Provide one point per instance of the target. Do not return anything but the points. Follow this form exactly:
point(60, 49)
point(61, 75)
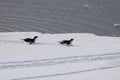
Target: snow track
point(58, 61)
point(64, 74)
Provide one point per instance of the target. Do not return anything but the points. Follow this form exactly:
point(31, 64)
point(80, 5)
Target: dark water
point(60, 16)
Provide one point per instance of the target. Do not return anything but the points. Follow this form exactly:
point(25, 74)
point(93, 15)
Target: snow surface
point(90, 57)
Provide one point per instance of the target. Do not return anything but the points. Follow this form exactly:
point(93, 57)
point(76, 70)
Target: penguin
point(30, 40)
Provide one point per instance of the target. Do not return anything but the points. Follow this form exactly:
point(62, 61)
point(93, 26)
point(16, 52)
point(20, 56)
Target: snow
point(86, 6)
point(116, 25)
point(90, 57)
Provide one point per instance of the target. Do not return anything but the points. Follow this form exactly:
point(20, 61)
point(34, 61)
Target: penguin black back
point(67, 42)
point(30, 40)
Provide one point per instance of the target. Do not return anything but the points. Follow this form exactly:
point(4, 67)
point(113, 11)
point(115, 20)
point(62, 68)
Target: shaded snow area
point(89, 57)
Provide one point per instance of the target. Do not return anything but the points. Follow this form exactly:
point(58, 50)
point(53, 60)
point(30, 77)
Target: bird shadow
point(55, 44)
point(38, 43)
point(10, 41)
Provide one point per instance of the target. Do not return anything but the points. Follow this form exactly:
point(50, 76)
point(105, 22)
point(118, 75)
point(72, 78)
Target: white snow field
point(90, 57)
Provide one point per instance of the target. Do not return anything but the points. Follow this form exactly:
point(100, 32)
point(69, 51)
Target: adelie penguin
point(67, 42)
point(30, 40)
